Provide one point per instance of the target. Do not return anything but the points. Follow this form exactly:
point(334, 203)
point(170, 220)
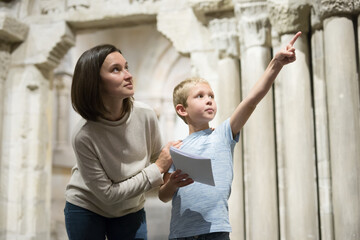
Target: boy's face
point(201, 105)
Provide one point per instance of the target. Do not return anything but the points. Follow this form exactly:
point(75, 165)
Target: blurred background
point(297, 165)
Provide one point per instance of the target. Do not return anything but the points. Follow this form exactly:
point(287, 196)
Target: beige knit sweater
point(114, 169)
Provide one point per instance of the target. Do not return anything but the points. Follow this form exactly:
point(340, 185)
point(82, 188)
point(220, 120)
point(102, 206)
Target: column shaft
point(344, 124)
point(259, 152)
point(225, 39)
point(229, 98)
point(26, 156)
point(296, 133)
point(322, 136)
point(261, 209)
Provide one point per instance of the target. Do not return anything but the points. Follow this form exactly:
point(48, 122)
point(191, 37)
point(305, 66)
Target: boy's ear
point(181, 110)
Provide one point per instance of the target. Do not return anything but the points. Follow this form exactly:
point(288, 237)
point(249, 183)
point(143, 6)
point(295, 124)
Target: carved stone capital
point(254, 24)
point(224, 37)
point(11, 29)
point(289, 18)
point(336, 7)
point(46, 51)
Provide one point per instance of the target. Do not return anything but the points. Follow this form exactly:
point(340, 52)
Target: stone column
point(12, 31)
point(298, 215)
point(321, 126)
point(27, 146)
point(342, 84)
point(259, 132)
point(63, 154)
point(225, 40)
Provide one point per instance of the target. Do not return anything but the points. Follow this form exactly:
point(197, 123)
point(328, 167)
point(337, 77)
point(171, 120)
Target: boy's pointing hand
point(287, 55)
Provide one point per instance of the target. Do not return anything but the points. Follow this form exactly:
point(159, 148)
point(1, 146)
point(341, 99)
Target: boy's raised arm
point(262, 86)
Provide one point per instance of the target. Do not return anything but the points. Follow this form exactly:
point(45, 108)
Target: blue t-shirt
point(199, 208)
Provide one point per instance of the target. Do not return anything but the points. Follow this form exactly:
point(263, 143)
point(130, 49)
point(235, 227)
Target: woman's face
point(116, 78)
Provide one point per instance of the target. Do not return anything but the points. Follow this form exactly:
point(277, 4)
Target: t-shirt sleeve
point(224, 130)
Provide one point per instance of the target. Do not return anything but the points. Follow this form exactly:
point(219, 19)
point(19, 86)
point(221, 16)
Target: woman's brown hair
point(85, 88)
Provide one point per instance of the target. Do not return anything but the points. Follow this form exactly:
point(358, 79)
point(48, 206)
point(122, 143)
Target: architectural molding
point(45, 52)
point(224, 37)
point(184, 30)
point(11, 29)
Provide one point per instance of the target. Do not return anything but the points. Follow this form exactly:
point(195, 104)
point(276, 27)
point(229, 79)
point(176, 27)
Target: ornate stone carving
point(11, 29)
point(254, 24)
point(335, 7)
point(286, 18)
point(224, 36)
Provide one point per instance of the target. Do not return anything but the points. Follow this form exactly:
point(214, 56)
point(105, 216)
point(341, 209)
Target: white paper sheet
point(197, 167)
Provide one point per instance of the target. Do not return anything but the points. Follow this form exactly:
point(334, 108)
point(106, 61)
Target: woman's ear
point(181, 110)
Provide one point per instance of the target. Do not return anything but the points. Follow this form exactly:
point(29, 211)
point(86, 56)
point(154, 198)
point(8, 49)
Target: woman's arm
point(172, 181)
point(98, 182)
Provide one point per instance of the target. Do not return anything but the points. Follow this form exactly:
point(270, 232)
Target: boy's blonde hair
point(182, 90)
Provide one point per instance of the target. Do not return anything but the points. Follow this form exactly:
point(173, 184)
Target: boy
point(200, 211)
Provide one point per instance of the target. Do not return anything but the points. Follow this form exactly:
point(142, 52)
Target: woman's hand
point(164, 161)
point(287, 55)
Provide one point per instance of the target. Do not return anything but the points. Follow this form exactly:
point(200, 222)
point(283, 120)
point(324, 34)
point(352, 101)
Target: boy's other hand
point(178, 179)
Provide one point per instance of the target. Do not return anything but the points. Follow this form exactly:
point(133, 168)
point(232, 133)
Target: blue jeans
point(82, 224)
point(208, 236)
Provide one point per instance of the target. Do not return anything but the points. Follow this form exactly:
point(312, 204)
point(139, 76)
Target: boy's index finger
point(293, 40)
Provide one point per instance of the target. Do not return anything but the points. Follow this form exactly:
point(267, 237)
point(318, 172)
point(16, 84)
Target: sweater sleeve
point(102, 186)
point(156, 139)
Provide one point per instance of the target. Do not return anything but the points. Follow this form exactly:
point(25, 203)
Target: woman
point(118, 148)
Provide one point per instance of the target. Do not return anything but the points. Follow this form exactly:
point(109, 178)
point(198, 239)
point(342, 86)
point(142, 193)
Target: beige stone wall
point(297, 165)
